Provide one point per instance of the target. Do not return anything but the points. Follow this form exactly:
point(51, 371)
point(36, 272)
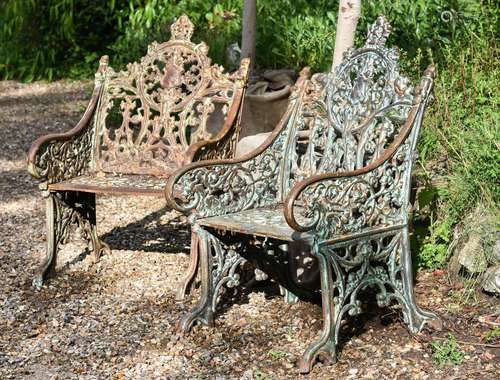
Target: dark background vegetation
point(459, 149)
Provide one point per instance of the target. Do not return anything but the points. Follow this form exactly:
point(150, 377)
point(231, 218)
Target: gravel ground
point(117, 319)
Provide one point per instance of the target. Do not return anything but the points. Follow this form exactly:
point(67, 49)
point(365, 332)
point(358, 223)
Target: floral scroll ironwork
point(151, 113)
point(338, 169)
point(382, 262)
point(61, 160)
point(229, 186)
point(67, 211)
point(172, 107)
point(219, 264)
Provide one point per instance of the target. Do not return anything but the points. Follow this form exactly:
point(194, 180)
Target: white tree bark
point(249, 31)
point(349, 13)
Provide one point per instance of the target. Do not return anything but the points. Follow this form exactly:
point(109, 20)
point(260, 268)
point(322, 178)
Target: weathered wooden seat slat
point(334, 175)
point(141, 125)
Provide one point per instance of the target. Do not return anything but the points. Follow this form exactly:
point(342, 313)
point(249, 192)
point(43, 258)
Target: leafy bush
point(447, 352)
point(46, 39)
point(57, 38)
point(459, 149)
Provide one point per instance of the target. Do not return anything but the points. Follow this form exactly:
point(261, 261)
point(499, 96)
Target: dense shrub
point(58, 38)
point(460, 149)
point(46, 39)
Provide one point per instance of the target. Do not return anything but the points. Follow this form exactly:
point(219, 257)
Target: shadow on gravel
point(151, 234)
point(17, 185)
point(72, 326)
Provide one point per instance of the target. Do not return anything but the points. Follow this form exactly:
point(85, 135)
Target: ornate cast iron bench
point(171, 108)
point(344, 191)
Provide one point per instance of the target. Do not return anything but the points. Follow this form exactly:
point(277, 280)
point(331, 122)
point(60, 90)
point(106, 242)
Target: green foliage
point(447, 352)
point(460, 144)
point(55, 38)
point(46, 39)
point(493, 335)
point(278, 355)
point(217, 22)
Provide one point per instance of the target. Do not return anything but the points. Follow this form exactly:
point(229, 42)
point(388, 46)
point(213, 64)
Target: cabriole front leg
point(218, 265)
point(415, 317)
point(48, 265)
point(325, 345)
point(381, 262)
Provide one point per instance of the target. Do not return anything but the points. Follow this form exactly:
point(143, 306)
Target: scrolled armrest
point(59, 156)
point(375, 195)
point(225, 186)
point(334, 204)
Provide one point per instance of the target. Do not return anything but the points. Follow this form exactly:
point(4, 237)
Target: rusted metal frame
point(414, 118)
point(85, 122)
point(164, 115)
point(232, 125)
point(106, 190)
point(93, 120)
point(280, 129)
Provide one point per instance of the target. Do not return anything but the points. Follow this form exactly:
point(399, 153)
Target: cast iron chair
point(171, 108)
point(344, 191)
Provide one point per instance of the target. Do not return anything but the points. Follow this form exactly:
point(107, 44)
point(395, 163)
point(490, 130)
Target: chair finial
point(182, 29)
point(378, 32)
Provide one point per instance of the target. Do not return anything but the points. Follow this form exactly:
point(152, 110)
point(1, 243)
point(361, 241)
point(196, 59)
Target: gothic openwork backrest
point(348, 118)
point(151, 113)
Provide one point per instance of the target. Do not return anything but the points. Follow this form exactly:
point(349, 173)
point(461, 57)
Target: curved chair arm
point(376, 195)
point(223, 145)
point(219, 187)
point(59, 156)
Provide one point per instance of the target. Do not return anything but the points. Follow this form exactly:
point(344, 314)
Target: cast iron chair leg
point(218, 269)
point(325, 345)
point(188, 281)
point(49, 263)
point(98, 247)
point(63, 210)
point(415, 317)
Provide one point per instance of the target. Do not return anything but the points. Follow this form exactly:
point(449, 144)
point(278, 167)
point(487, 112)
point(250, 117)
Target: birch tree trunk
point(349, 13)
point(249, 31)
